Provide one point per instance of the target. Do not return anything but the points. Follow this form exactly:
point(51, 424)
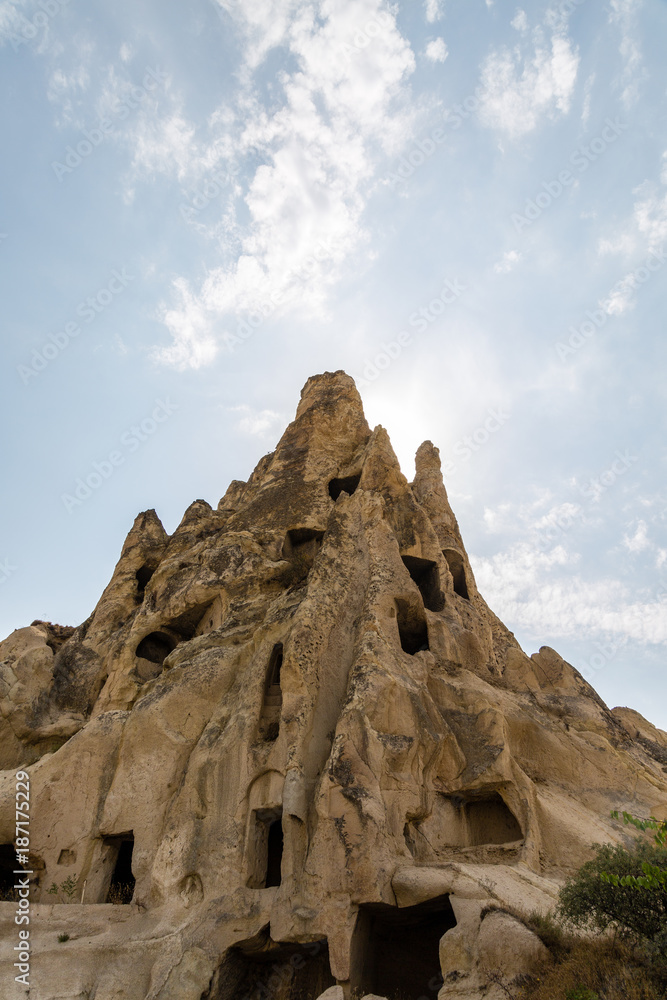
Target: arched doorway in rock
point(458, 570)
point(396, 950)
point(122, 881)
point(263, 969)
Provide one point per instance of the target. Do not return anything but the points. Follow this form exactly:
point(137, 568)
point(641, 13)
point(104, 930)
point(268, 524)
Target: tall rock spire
point(294, 735)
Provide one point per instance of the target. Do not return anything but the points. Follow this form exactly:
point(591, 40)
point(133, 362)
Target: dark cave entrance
point(302, 543)
point(156, 647)
point(396, 951)
point(266, 848)
point(274, 853)
point(269, 725)
point(143, 575)
point(121, 886)
point(412, 628)
point(8, 879)
point(458, 571)
point(262, 969)
point(347, 484)
point(425, 574)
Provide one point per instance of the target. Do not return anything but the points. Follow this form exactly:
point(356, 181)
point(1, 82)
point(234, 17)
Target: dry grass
point(596, 970)
point(120, 893)
point(586, 968)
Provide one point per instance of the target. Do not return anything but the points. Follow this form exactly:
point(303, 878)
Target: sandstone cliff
point(296, 737)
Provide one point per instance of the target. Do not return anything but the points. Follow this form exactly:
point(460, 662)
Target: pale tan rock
point(507, 946)
point(318, 744)
point(334, 993)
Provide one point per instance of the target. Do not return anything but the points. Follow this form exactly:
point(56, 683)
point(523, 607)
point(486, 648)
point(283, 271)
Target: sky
point(461, 203)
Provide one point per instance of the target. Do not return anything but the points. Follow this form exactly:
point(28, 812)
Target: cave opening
point(491, 821)
point(274, 853)
point(303, 543)
point(143, 575)
point(424, 572)
point(396, 951)
point(121, 886)
point(458, 571)
point(266, 848)
point(346, 484)
point(273, 697)
point(412, 627)
point(8, 864)
point(156, 647)
point(261, 968)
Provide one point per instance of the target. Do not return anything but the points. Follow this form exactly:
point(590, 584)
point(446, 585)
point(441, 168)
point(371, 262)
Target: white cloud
point(520, 21)
point(644, 232)
point(67, 89)
point(621, 297)
point(257, 422)
point(586, 106)
point(508, 262)
point(621, 243)
point(639, 541)
point(520, 89)
point(61, 83)
point(436, 50)
point(163, 140)
point(17, 26)
point(433, 10)
point(650, 214)
point(633, 74)
point(533, 583)
point(193, 344)
point(265, 23)
point(318, 151)
point(520, 586)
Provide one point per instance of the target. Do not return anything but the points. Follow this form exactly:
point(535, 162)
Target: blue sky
point(462, 204)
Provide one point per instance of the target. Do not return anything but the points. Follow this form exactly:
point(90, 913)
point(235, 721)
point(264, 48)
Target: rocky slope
point(296, 737)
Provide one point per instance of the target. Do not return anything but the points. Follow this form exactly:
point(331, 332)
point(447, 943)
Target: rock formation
point(299, 751)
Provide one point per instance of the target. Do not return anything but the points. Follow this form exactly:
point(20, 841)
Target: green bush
point(589, 900)
point(66, 888)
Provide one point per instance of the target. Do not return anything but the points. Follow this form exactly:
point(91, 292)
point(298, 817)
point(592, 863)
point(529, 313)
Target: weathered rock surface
point(296, 737)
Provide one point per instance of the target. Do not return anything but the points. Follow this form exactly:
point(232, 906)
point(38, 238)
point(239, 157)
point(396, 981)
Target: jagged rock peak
point(296, 737)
